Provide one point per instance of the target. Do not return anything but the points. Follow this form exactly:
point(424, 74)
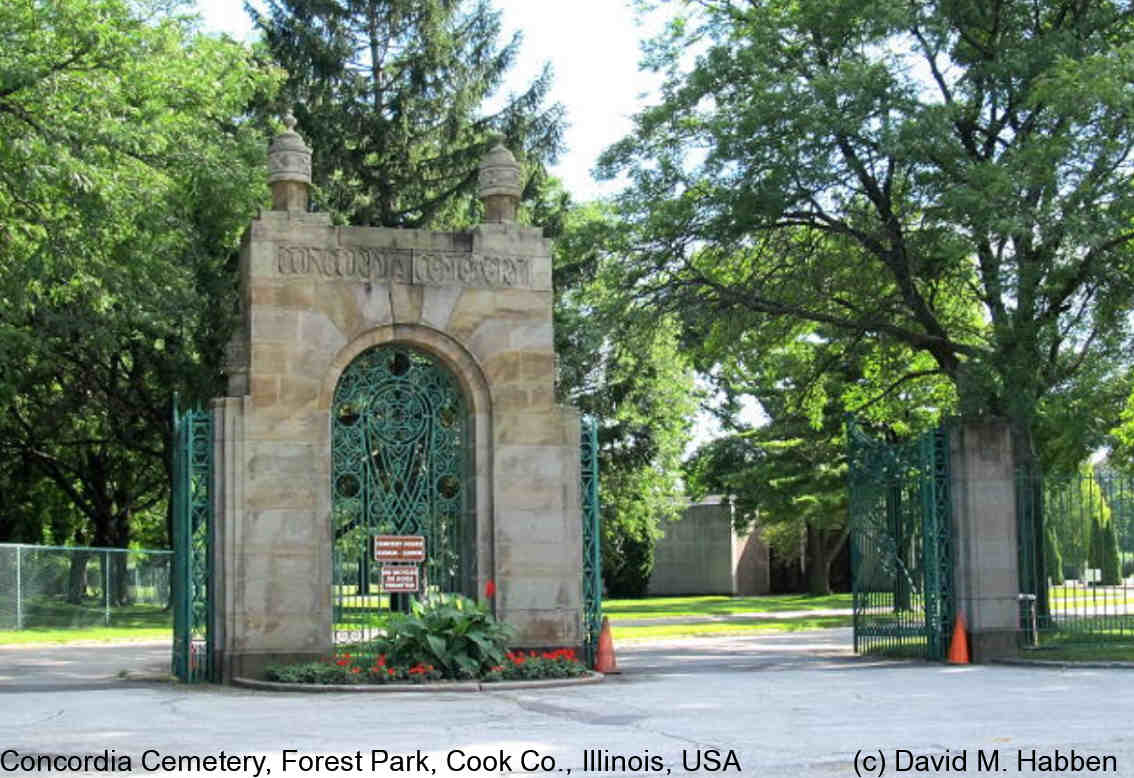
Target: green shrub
point(1052, 556)
point(1111, 567)
point(451, 632)
point(627, 560)
point(307, 672)
point(1095, 549)
point(445, 636)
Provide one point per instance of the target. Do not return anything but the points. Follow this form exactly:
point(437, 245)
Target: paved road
point(76, 666)
point(783, 705)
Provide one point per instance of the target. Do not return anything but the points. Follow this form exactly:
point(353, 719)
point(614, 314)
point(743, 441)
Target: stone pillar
point(986, 569)
point(314, 297)
point(228, 510)
point(289, 169)
point(499, 186)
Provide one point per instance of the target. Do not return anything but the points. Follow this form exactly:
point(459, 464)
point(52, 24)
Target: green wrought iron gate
point(592, 560)
point(193, 588)
point(901, 544)
point(400, 465)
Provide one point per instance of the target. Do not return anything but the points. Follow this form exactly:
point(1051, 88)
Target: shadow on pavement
point(78, 666)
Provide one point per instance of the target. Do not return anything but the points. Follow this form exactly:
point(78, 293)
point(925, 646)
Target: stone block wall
point(702, 554)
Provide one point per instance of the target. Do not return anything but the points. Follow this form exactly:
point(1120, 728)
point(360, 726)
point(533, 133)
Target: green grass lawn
point(721, 607)
point(53, 620)
point(714, 628)
point(83, 634)
point(676, 607)
point(1099, 645)
point(1109, 594)
point(55, 612)
point(58, 622)
point(1071, 652)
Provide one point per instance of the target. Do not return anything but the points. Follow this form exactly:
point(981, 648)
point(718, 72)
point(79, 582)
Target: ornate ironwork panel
point(400, 466)
point(592, 559)
point(193, 588)
point(901, 544)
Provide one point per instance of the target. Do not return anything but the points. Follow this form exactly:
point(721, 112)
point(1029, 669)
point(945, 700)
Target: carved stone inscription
point(433, 268)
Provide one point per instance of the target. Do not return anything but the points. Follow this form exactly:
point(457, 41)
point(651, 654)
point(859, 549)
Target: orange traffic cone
point(959, 646)
point(604, 661)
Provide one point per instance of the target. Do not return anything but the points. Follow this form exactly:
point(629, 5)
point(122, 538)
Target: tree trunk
point(1029, 486)
point(818, 563)
point(77, 578)
point(902, 544)
point(119, 579)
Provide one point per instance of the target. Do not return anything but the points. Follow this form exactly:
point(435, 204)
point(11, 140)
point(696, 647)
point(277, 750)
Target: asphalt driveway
point(772, 705)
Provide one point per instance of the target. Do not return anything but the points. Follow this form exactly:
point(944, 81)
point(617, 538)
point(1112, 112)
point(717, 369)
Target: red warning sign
point(399, 548)
point(401, 579)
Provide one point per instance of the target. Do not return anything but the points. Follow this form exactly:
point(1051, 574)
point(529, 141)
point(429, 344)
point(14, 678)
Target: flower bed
point(445, 637)
point(346, 669)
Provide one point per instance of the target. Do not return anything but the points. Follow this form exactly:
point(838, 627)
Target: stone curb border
point(443, 686)
point(1064, 664)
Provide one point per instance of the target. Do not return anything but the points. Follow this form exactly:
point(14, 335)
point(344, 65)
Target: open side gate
point(901, 544)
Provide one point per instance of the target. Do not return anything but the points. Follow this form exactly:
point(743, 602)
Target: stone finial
point(289, 169)
point(499, 186)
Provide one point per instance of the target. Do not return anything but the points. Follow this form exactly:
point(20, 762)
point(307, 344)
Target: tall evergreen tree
point(1052, 556)
point(392, 94)
point(1111, 561)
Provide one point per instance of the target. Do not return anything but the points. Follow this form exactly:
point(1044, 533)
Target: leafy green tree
point(789, 476)
point(1111, 563)
point(625, 369)
point(126, 175)
point(1122, 439)
point(887, 169)
point(1095, 552)
point(1053, 558)
point(392, 96)
point(1118, 490)
point(1077, 510)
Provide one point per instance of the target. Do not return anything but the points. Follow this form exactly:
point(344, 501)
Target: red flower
point(390, 671)
point(356, 670)
point(566, 654)
point(381, 661)
point(343, 662)
point(489, 589)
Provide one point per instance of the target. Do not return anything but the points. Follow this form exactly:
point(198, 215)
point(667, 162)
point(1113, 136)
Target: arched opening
point(400, 465)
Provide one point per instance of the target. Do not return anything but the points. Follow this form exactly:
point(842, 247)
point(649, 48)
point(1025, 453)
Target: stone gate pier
point(390, 381)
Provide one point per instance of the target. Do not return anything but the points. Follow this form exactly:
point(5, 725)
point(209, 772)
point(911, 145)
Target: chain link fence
point(57, 587)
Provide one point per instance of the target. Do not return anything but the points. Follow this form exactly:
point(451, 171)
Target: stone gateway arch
point(389, 382)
